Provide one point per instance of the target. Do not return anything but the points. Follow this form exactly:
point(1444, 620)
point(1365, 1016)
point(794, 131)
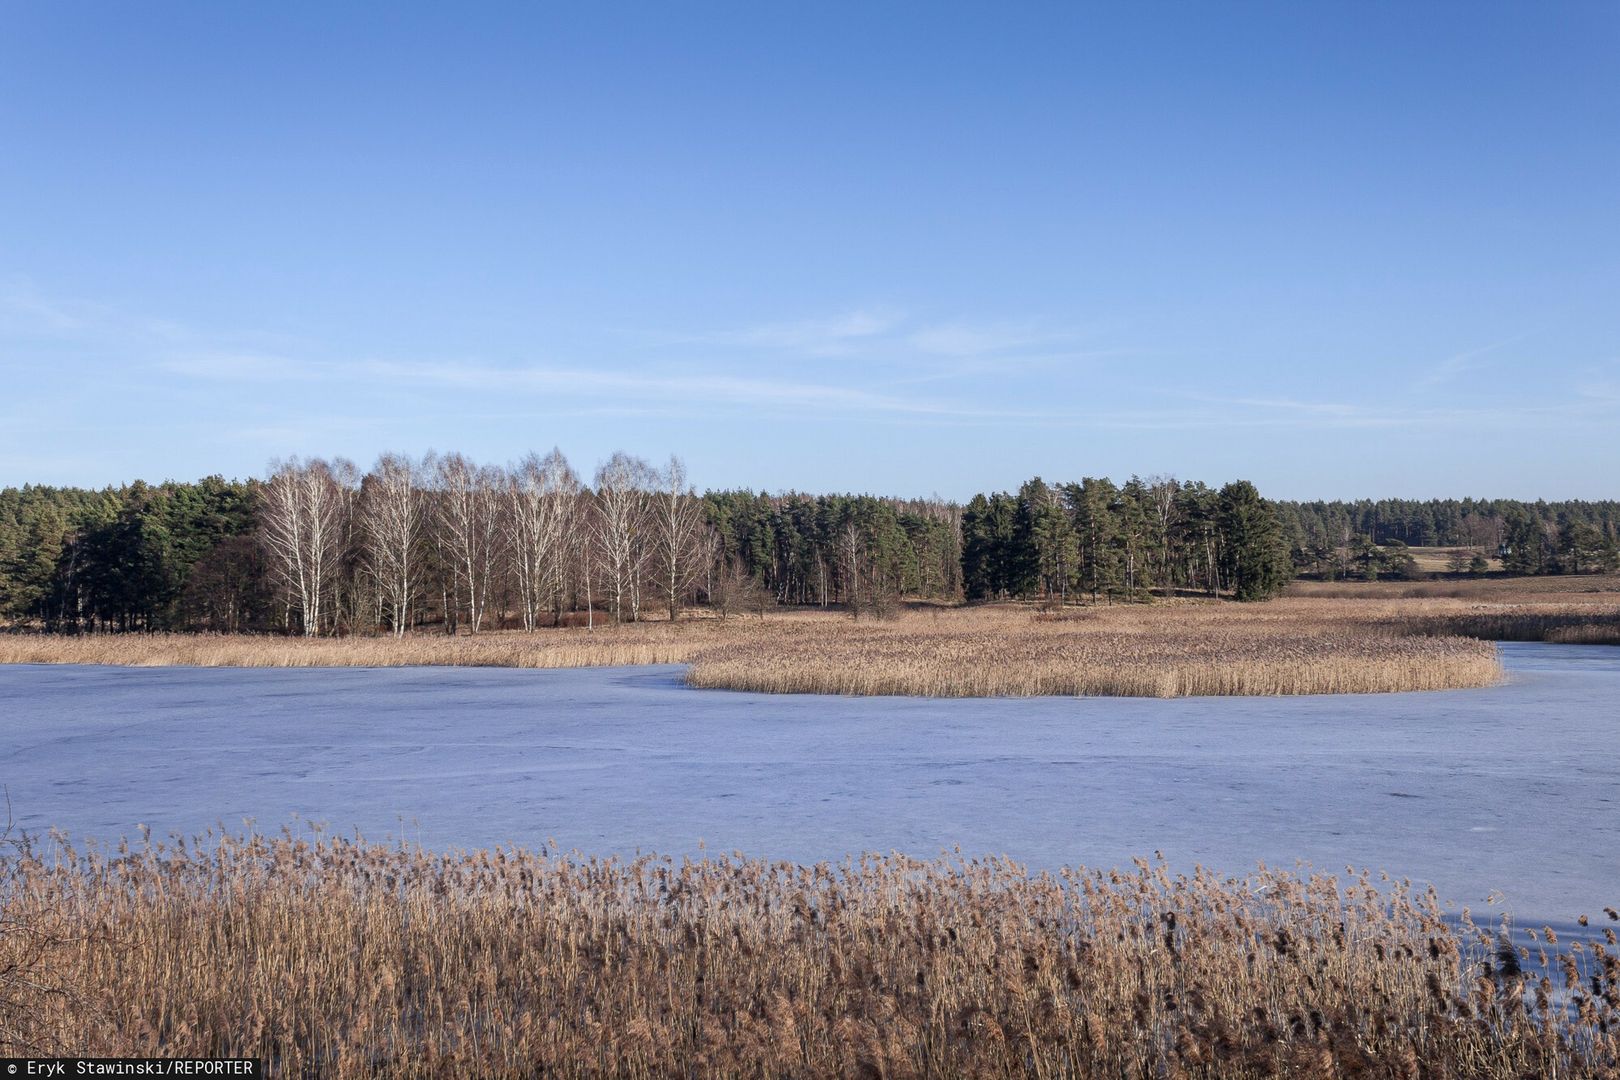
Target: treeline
point(839, 549)
point(1111, 542)
point(133, 557)
point(322, 547)
point(1368, 538)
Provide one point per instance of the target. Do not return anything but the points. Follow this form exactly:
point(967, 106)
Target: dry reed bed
point(1369, 641)
point(1572, 609)
point(1160, 651)
point(641, 643)
point(347, 959)
point(1553, 623)
point(1565, 588)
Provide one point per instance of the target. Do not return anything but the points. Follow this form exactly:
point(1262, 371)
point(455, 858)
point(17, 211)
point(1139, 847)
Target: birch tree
point(852, 544)
point(392, 525)
point(619, 529)
point(541, 494)
point(469, 505)
point(1162, 492)
point(581, 546)
point(677, 520)
point(301, 520)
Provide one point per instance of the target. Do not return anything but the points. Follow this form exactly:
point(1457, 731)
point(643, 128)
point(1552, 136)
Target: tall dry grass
point(1552, 623)
point(1159, 651)
point(1360, 639)
point(638, 643)
point(1602, 589)
point(346, 959)
point(1572, 609)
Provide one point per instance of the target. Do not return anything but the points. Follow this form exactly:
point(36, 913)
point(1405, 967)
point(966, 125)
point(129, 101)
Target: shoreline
point(1282, 648)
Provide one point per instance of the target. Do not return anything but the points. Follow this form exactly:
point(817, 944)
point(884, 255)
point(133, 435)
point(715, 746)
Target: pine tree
point(1132, 515)
point(1038, 543)
point(1525, 544)
point(1255, 556)
point(1091, 508)
point(978, 550)
point(1055, 547)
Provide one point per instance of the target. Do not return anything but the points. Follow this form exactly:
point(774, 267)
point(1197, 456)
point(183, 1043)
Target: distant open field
point(345, 959)
point(1438, 560)
point(1320, 638)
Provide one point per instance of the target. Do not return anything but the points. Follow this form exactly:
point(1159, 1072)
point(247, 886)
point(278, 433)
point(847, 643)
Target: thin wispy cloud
point(1287, 412)
point(830, 336)
point(887, 333)
point(691, 387)
point(246, 367)
point(32, 321)
point(24, 310)
point(613, 388)
point(1600, 384)
point(1008, 370)
point(1459, 364)
point(624, 392)
point(1289, 405)
point(960, 386)
point(170, 350)
point(988, 339)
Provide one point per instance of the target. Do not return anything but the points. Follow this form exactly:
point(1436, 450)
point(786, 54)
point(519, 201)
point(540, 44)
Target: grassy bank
point(346, 959)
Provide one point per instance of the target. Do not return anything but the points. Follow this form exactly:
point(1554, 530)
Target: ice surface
point(1514, 788)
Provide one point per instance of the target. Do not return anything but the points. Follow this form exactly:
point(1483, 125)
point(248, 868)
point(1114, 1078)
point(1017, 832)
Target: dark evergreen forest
point(1106, 543)
point(194, 556)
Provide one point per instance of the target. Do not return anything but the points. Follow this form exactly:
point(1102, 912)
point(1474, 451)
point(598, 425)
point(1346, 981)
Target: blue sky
point(1340, 250)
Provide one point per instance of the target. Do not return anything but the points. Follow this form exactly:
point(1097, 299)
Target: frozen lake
point(1513, 789)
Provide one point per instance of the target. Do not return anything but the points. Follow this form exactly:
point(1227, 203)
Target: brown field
point(1320, 638)
point(343, 959)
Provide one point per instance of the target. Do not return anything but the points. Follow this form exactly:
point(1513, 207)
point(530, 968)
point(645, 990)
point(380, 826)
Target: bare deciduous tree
point(852, 544)
point(1162, 492)
point(391, 524)
point(677, 521)
point(619, 529)
point(469, 505)
point(581, 545)
point(541, 497)
point(301, 524)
